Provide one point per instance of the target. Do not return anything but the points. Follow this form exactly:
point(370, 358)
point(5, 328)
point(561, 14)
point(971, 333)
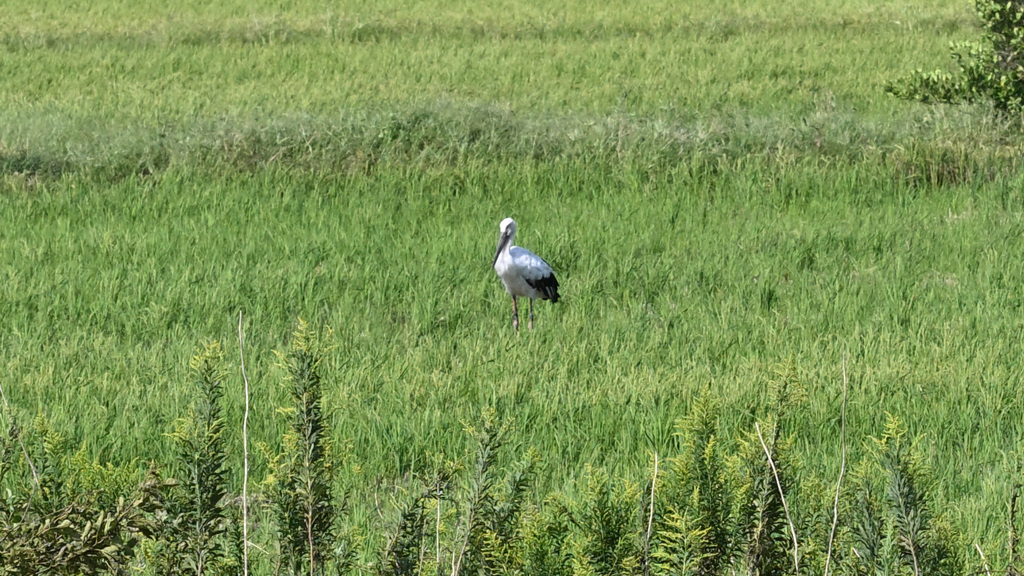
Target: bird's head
point(507, 226)
point(507, 231)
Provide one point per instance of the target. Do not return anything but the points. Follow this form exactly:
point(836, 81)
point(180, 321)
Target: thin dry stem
point(842, 470)
point(245, 456)
point(309, 537)
point(457, 559)
point(455, 571)
point(650, 520)
point(778, 484)
point(984, 562)
point(1011, 540)
point(913, 556)
point(437, 529)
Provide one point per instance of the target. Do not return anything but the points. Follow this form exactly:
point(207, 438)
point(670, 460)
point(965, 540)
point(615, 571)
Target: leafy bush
point(990, 70)
point(72, 515)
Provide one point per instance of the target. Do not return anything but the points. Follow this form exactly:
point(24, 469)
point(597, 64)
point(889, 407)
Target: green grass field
point(724, 190)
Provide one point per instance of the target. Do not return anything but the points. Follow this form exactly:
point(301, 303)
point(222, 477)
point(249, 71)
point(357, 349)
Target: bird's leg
point(531, 314)
point(515, 315)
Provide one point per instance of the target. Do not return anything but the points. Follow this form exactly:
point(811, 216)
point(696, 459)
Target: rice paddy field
point(724, 189)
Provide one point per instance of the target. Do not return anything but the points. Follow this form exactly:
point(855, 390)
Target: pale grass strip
point(437, 529)
point(778, 484)
point(245, 457)
point(650, 520)
point(842, 470)
point(32, 467)
point(309, 537)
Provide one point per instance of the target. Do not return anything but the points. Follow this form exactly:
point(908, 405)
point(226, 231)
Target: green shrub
point(990, 70)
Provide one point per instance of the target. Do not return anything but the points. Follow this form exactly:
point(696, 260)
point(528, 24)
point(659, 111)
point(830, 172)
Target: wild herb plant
point(895, 528)
point(502, 543)
point(306, 504)
point(696, 532)
point(767, 545)
point(491, 504)
point(766, 481)
point(545, 540)
point(492, 514)
point(873, 553)
point(606, 526)
point(478, 496)
point(402, 555)
point(196, 531)
point(679, 547)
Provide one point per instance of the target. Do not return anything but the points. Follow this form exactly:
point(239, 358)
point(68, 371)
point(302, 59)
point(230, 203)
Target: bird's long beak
point(502, 242)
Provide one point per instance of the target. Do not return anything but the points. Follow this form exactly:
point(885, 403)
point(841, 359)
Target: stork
point(523, 273)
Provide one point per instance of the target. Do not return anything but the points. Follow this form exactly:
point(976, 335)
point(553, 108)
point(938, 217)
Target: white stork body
point(523, 273)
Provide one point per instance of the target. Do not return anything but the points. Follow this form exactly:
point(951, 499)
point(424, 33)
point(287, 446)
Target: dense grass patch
point(725, 193)
point(673, 282)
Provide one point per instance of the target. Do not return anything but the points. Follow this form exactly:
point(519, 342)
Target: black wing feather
point(547, 285)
